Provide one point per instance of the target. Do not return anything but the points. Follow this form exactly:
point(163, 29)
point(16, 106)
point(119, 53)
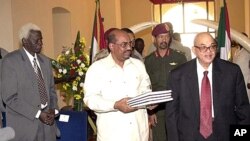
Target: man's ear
point(110, 46)
point(193, 50)
point(24, 41)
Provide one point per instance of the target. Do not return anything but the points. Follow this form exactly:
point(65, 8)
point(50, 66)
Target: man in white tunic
point(109, 83)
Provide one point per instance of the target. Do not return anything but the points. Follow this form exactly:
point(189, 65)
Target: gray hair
point(24, 31)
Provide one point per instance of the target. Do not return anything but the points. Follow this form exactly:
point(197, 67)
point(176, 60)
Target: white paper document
point(149, 98)
point(64, 118)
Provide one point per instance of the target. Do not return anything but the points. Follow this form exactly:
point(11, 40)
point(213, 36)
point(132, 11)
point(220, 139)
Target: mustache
point(164, 43)
point(129, 51)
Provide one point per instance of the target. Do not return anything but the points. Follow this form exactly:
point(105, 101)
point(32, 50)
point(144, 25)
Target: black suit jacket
point(231, 105)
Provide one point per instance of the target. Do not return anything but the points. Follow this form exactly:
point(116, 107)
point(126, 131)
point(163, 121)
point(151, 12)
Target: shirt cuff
point(38, 114)
point(56, 112)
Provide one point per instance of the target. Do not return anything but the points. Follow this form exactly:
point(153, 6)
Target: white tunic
point(106, 83)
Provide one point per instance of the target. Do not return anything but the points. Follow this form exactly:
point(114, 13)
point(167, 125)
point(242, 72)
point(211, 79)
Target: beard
point(164, 45)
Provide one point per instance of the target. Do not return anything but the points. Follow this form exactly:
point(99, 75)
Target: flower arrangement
point(70, 68)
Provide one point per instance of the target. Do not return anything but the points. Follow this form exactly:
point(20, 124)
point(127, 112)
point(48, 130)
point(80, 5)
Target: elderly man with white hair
point(28, 89)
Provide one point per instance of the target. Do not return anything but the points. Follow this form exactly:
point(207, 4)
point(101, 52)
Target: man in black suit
point(227, 93)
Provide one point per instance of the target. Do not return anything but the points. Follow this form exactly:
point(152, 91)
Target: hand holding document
point(149, 98)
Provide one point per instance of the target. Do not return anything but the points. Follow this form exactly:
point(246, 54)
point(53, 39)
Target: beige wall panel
point(6, 26)
point(236, 11)
point(247, 17)
point(134, 12)
point(40, 13)
point(111, 12)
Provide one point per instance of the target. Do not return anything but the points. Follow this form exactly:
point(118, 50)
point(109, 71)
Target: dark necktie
point(41, 85)
point(205, 107)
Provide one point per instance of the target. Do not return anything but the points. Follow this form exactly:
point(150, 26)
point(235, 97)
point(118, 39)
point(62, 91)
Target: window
point(182, 13)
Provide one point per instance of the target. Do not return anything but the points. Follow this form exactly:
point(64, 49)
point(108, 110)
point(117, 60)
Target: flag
point(95, 40)
point(224, 37)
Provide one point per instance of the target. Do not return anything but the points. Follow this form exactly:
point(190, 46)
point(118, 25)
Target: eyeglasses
point(203, 49)
point(125, 44)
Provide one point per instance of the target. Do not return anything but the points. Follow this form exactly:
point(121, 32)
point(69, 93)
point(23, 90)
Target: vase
point(78, 105)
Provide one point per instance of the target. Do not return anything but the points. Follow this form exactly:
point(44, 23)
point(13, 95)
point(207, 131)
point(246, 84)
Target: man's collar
point(111, 62)
point(157, 54)
point(29, 55)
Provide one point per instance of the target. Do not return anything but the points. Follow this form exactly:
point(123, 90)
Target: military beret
point(162, 28)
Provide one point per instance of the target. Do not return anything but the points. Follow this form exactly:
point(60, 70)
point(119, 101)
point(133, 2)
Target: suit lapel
point(217, 77)
point(28, 65)
point(194, 86)
point(30, 74)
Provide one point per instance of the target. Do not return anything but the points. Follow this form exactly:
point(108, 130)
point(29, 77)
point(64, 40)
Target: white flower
point(60, 70)
point(80, 73)
point(67, 52)
point(74, 88)
point(82, 84)
point(64, 71)
point(78, 61)
point(82, 65)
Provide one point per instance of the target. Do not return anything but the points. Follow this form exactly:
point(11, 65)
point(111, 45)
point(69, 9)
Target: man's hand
point(152, 119)
point(47, 117)
point(43, 117)
point(123, 106)
point(51, 116)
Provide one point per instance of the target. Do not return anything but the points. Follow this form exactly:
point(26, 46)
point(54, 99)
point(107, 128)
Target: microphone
point(6, 133)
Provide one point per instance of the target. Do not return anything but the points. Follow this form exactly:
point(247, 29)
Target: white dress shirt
point(106, 83)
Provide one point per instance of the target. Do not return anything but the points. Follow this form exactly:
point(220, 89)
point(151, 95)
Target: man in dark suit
point(228, 103)
point(28, 89)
